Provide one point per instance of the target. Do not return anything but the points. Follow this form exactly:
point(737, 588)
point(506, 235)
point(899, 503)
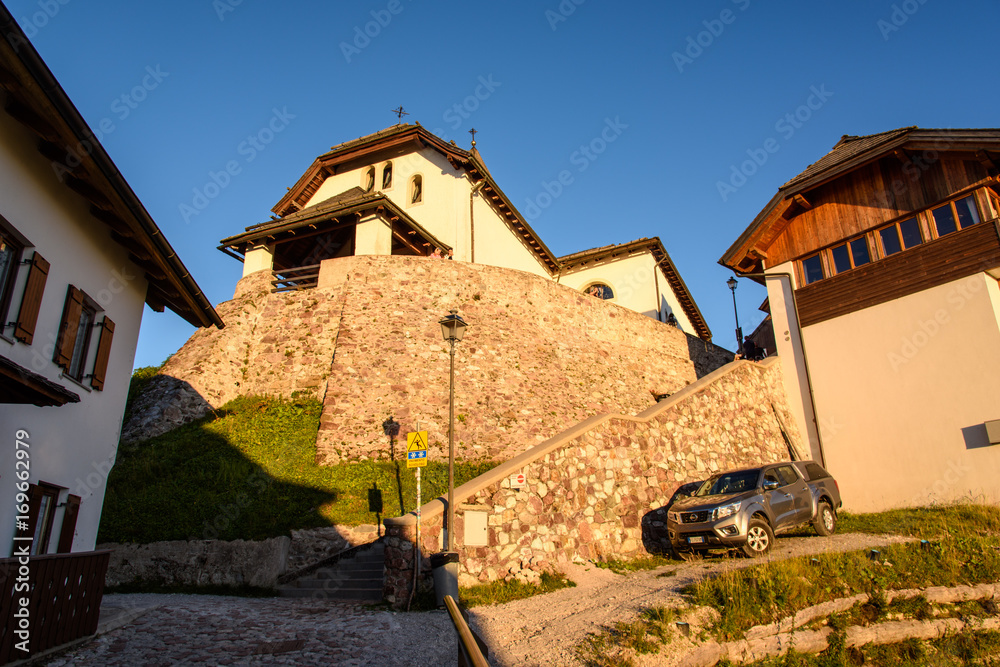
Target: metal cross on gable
point(473, 133)
point(400, 113)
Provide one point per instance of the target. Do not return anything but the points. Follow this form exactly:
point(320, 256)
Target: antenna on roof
point(473, 133)
point(400, 113)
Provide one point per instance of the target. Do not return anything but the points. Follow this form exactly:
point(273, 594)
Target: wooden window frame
point(387, 168)
point(43, 522)
point(850, 254)
point(952, 204)
point(70, 356)
point(824, 269)
point(412, 196)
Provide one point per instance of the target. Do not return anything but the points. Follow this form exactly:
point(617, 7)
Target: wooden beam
point(88, 192)
point(27, 117)
point(802, 201)
point(132, 246)
point(111, 219)
point(989, 163)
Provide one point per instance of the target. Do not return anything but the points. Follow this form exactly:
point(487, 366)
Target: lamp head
point(732, 283)
point(453, 326)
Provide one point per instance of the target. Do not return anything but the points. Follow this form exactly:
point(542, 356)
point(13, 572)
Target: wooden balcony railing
point(301, 277)
point(64, 601)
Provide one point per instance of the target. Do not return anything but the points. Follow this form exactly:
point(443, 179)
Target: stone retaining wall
point(538, 356)
point(593, 491)
point(199, 563)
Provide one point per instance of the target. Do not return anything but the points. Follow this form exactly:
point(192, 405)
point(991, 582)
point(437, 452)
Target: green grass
point(774, 590)
point(650, 562)
point(251, 473)
point(971, 648)
point(925, 522)
point(499, 592)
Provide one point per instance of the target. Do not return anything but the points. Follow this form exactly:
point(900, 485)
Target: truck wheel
point(826, 520)
point(760, 537)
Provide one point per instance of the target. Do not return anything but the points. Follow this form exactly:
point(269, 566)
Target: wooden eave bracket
point(989, 163)
point(802, 202)
point(27, 117)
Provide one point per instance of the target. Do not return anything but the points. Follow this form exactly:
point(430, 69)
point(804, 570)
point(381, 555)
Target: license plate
point(696, 540)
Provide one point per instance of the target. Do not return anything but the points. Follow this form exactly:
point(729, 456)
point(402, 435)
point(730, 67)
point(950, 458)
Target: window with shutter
point(10, 257)
point(69, 328)
point(27, 316)
point(103, 354)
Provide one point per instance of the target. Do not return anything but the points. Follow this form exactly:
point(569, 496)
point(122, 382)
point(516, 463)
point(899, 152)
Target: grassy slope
point(250, 473)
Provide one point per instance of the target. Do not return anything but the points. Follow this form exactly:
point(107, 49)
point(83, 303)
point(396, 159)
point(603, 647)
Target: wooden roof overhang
point(748, 253)
point(34, 98)
point(398, 140)
point(320, 219)
point(583, 259)
point(22, 386)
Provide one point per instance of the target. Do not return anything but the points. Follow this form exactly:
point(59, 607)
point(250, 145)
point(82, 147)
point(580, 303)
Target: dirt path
point(545, 630)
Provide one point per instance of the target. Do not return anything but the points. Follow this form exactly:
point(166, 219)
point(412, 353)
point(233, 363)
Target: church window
point(417, 189)
point(601, 291)
point(369, 180)
point(387, 176)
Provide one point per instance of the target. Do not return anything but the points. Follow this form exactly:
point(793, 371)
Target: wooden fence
point(64, 594)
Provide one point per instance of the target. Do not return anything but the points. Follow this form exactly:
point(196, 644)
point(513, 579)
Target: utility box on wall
point(476, 534)
point(993, 431)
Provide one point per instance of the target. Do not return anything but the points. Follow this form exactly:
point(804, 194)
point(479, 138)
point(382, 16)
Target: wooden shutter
point(103, 354)
point(69, 525)
point(68, 327)
point(27, 529)
point(27, 315)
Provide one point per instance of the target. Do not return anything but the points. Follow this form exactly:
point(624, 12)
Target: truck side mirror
point(770, 484)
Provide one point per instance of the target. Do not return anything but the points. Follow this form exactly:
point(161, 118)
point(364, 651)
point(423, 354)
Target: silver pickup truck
point(744, 509)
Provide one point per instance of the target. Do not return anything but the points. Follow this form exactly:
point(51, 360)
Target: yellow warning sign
point(416, 449)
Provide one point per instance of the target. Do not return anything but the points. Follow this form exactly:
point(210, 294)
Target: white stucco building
point(404, 191)
point(79, 256)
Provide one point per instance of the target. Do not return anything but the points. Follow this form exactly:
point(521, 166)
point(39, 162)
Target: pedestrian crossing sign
point(416, 449)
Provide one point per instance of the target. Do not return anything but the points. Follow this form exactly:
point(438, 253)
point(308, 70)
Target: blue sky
point(694, 92)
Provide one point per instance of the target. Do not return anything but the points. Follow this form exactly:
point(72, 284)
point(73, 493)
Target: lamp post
point(453, 329)
point(739, 332)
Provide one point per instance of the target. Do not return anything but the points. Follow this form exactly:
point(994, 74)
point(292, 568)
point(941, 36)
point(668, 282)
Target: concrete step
point(358, 578)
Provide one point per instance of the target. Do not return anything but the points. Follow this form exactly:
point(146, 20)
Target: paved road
point(162, 630)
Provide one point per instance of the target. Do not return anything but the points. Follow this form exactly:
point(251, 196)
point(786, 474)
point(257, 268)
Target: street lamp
point(739, 332)
point(453, 329)
point(391, 428)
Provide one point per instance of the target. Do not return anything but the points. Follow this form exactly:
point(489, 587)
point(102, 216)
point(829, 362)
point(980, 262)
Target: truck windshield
point(730, 482)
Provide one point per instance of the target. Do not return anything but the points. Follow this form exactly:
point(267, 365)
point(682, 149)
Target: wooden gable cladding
point(881, 191)
point(934, 263)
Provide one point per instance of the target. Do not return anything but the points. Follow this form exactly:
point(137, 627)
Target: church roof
point(580, 260)
point(403, 138)
point(347, 202)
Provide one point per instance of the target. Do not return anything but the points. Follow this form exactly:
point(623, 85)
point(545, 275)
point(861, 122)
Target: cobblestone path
point(214, 630)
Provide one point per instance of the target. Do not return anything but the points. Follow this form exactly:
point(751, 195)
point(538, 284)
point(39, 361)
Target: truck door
point(782, 503)
point(798, 489)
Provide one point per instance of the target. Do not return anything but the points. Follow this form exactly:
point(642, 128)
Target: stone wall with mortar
point(593, 491)
point(199, 563)
point(537, 356)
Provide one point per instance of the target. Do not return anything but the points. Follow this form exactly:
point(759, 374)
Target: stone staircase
point(354, 575)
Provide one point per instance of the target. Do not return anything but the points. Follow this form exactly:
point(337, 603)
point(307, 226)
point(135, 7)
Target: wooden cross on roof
point(400, 113)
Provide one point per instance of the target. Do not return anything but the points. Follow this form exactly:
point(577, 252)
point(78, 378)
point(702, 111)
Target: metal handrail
point(467, 646)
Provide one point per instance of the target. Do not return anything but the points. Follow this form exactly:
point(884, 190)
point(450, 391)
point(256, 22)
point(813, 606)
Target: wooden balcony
point(64, 600)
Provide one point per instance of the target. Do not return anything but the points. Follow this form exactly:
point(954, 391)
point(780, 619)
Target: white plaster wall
point(903, 389)
point(74, 445)
point(444, 210)
point(633, 280)
point(373, 236)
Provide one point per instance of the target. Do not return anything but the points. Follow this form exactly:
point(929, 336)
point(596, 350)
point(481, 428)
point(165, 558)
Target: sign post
point(416, 457)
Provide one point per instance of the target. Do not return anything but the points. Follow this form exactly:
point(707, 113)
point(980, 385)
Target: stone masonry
point(537, 356)
point(593, 491)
